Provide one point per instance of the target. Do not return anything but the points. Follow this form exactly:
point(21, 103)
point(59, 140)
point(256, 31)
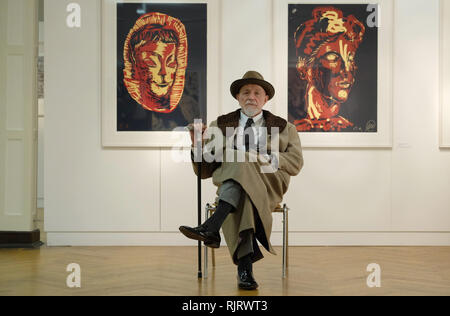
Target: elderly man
point(247, 194)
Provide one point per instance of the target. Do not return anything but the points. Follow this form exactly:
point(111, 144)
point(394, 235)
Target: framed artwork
point(158, 71)
point(334, 70)
point(445, 75)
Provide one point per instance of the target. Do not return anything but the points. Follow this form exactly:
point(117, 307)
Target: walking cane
point(199, 199)
point(199, 206)
point(198, 155)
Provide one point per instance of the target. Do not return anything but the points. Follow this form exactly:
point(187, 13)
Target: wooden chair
point(210, 209)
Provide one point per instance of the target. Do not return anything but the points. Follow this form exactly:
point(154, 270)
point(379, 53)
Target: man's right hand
point(196, 128)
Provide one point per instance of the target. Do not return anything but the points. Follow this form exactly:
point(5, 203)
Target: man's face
point(334, 71)
point(157, 66)
point(252, 98)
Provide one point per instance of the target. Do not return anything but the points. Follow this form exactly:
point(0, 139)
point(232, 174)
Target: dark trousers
point(230, 191)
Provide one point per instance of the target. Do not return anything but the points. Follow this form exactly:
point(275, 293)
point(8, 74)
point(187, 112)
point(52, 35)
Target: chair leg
point(209, 210)
point(205, 268)
point(213, 255)
point(285, 240)
point(287, 236)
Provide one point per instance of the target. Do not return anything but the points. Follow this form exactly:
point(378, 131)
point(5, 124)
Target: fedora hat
point(252, 77)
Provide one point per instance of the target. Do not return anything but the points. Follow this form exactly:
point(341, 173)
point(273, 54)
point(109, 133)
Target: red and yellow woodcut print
point(324, 71)
point(155, 55)
point(161, 65)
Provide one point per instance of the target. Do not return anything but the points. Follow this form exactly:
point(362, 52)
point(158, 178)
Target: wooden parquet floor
point(171, 271)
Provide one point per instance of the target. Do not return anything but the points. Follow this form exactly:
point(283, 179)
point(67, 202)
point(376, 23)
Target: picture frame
point(112, 136)
point(444, 113)
point(382, 138)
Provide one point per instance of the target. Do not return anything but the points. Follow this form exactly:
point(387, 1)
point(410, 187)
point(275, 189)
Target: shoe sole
point(192, 235)
point(212, 245)
point(248, 288)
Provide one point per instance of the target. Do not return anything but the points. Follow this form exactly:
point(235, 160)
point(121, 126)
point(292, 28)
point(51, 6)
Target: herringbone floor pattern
point(173, 271)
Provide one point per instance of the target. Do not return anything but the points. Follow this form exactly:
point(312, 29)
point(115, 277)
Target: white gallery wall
point(98, 196)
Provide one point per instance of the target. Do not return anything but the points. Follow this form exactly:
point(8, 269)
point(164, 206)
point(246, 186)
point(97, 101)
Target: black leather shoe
point(211, 239)
point(246, 280)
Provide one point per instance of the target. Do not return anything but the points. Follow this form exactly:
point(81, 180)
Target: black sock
point(216, 220)
point(245, 263)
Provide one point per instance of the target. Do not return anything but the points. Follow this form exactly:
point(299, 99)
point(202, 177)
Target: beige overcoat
point(263, 191)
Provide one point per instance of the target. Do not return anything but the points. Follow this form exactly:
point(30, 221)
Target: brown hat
point(252, 77)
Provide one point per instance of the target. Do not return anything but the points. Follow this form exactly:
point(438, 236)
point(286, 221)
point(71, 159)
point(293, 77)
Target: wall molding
point(295, 239)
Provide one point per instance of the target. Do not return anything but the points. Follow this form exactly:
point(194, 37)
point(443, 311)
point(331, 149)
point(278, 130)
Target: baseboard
point(295, 239)
point(10, 239)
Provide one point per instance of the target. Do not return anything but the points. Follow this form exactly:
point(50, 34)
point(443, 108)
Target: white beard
point(250, 112)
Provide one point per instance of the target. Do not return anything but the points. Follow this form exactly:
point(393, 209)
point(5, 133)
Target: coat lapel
point(274, 121)
point(229, 120)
